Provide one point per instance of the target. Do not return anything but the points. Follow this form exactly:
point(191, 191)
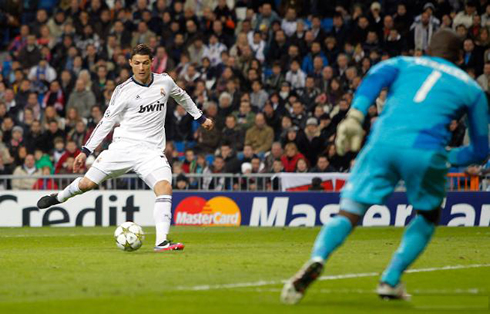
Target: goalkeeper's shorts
point(379, 168)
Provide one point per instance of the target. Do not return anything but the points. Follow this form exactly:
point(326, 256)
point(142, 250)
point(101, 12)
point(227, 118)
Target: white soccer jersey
point(140, 111)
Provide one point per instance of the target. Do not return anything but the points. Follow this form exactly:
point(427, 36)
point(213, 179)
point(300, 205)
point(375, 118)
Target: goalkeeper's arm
point(349, 131)
point(477, 151)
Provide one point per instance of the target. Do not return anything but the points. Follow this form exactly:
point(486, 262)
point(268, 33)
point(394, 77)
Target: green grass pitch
point(232, 270)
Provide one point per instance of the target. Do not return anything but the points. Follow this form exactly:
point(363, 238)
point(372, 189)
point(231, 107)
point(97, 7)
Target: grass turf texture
point(80, 270)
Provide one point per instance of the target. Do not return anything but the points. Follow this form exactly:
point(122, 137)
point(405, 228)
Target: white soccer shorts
point(123, 156)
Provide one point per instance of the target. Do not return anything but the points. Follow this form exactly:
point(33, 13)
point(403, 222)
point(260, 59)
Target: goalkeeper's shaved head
point(446, 44)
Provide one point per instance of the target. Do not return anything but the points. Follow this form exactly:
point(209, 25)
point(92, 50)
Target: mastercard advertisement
point(217, 211)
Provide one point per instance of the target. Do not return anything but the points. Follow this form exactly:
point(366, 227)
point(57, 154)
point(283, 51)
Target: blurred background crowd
point(276, 76)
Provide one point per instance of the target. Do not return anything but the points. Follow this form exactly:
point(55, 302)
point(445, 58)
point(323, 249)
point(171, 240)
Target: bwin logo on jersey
point(152, 107)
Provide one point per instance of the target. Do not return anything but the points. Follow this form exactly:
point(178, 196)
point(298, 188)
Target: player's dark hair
point(445, 44)
point(143, 50)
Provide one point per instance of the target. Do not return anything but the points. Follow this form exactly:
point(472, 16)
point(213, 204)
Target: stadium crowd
point(276, 76)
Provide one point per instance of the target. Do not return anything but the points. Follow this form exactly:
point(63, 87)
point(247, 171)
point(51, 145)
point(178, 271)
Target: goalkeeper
point(406, 143)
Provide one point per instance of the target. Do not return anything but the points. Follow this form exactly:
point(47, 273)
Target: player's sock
point(70, 191)
point(330, 237)
point(163, 215)
point(416, 237)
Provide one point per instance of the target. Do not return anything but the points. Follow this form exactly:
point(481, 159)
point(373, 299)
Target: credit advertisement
point(293, 209)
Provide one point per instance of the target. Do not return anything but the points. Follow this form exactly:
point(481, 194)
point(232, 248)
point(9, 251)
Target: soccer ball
point(129, 236)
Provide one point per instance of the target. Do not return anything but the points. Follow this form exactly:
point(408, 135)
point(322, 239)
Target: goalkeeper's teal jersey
point(424, 95)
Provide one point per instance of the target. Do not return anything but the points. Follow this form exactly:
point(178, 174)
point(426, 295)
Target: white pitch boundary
point(323, 278)
point(49, 235)
point(471, 291)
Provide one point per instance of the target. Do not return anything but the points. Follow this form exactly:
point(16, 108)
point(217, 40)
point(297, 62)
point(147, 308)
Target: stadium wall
point(106, 208)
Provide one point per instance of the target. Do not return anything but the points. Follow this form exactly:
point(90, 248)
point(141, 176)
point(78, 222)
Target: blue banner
point(314, 209)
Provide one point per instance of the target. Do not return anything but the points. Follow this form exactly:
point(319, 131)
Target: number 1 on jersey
point(427, 86)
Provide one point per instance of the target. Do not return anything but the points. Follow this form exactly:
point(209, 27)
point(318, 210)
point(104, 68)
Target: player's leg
point(415, 239)
point(110, 163)
point(371, 182)
point(332, 235)
point(154, 169)
point(162, 213)
point(424, 173)
point(76, 187)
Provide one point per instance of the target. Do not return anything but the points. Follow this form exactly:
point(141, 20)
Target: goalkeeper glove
point(350, 132)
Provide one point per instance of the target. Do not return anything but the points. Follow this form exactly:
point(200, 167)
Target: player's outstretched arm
point(350, 132)
point(477, 151)
point(111, 116)
point(208, 124)
point(79, 162)
point(183, 99)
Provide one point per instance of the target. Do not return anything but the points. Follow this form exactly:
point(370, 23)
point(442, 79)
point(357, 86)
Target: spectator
point(213, 50)
point(208, 140)
point(473, 56)
point(289, 23)
point(272, 118)
point(316, 185)
point(259, 96)
point(274, 81)
point(309, 141)
point(7, 126)
point(316, 51)
point(182, 182)
point(260, 136)
point(215, 183)
point(50, 115)
point(78, 134)
point(466, 16)
point(458, 130)
point(484, 79)
point(232, 134)
point(189, 163)
point(180, 128)
point(266, 17)
point(25, 173)
point(81, 99)
point(232, 164)
point(244, 116)
point(5, 155)
point(257, 44)
point(16, 140)
point(323, 165)
point(295, 76)
point(51, 134)
point(298, 115)
point(55, 97)
point(30, 55)
point(275, 153)
point(45, 183)
point(291, 157)
point(301, 166)
point(72, 151)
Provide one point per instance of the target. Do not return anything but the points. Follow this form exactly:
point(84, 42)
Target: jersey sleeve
point(117, 106)
point(380, 76)
point(183, 99)
point(477, 151)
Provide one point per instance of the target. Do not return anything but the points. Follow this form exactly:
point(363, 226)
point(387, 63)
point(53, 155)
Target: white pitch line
point(59, 234)
point(323, 278)
point(431, 292)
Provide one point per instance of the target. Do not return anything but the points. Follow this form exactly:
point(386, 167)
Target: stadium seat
point(209, 159)
point(179, 146)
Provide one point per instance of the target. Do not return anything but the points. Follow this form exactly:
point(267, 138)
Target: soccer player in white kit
point(139, 105)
